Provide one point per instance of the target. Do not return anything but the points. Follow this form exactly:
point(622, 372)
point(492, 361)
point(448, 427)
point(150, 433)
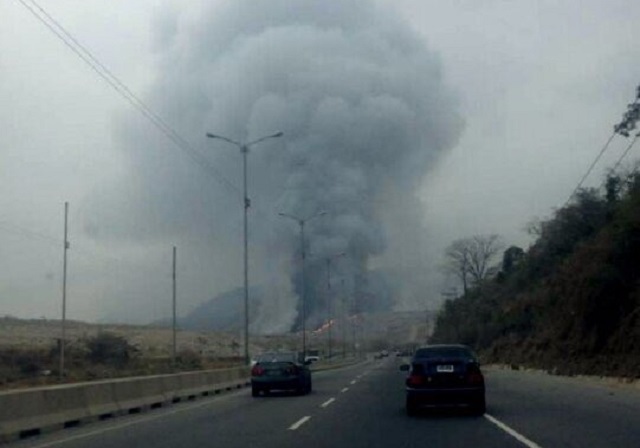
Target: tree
point(511, 257)
point(482, 250)
point(458, 260)
point(109, 348)
point(471, 259)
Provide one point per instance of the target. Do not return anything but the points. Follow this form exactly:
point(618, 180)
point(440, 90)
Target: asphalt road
point(363, 406)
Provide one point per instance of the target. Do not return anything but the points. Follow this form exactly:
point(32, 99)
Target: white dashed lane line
point(354, 381)
point(344, 390)
point(328, 402)
point(299, 423)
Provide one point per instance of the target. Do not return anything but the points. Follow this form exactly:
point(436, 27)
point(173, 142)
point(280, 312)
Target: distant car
point(312, 358)
point(280, 371)
point(444, 376)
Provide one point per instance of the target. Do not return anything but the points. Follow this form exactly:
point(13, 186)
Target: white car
point(312, 358)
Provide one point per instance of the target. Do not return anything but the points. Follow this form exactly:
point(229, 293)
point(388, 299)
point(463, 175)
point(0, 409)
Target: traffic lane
point(371, 413)
point(234, 419)
point(567, 412)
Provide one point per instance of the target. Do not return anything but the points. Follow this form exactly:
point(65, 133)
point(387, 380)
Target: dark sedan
point(280, 371)
point(444, 376)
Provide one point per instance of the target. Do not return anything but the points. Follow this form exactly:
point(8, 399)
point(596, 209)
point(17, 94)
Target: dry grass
point(29, 354)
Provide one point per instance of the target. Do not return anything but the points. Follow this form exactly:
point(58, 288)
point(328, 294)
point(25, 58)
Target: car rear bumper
point(445, 397)
point(277, 383)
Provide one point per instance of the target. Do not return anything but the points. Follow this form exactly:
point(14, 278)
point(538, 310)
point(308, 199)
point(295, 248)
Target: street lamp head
point(220, 137)
point(317, 215)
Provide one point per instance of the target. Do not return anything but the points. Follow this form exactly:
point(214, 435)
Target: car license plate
point(447, 368)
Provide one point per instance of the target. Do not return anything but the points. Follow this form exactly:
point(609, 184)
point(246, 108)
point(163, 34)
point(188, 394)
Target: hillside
point(571, 303)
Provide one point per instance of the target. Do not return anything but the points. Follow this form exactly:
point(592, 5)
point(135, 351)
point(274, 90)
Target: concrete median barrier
point(335, 363)
point(138, 394)
point(27, 412)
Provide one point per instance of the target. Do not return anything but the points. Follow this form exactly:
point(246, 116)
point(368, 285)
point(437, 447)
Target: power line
point(624, 154)
point(27, 233)
point(127, 94)
point(591, 167)
point(121, 88)
point(628, 123)
point(52, 240)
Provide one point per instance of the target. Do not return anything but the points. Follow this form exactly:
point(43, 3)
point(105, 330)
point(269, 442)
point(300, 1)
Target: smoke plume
point(365, 113)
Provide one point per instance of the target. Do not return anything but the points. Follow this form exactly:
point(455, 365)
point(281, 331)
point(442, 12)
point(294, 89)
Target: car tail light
point(475, 377)
point(414, 380)
point(257, 370)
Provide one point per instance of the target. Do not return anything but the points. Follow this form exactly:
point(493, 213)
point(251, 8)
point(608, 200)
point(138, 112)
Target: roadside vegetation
point(570, 304)
point(105, 355)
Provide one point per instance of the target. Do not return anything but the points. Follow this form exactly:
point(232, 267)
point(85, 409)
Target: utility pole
point(329, 305)
point(304, 295)
point(64, 290)
point(344, 322)
point(174, 326)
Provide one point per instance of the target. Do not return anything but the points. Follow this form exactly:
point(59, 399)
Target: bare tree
point(471, 259)
point(458, 261)
point(482, 250)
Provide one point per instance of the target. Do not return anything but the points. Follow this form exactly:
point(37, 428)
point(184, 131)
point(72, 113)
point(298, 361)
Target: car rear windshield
point(443, 352)
point(277, 357)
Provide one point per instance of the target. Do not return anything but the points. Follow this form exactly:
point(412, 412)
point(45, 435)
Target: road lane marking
point(328, 402)
point(512, 432)
point(344, 390)
point(299, 423)
point(354, 381)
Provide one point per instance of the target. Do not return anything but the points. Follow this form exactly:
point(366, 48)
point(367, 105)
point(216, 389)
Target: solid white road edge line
point(344, 390)
point(512, 432)
point(299, 423)
point(328, 402)
point(136, 421)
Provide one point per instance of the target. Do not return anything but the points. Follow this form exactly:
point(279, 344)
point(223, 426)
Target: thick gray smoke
point(365, 114)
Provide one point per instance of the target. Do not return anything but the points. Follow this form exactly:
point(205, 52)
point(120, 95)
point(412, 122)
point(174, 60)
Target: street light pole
point(329, 304)
point(304, 294)
point(329, 301)
point(174, 344)
point(301, 222)
point(245, 238)
point(244, 149)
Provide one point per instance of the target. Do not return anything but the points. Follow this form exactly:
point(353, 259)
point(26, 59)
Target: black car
point(280, 371)
point(444, 376)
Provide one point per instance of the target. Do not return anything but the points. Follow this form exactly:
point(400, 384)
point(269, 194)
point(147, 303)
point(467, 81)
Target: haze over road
point(363, 406)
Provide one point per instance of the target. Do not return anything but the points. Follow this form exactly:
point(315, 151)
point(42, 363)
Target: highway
point(363, 406)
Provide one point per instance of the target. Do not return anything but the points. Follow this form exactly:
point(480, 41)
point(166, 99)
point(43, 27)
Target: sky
point(413, 123)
